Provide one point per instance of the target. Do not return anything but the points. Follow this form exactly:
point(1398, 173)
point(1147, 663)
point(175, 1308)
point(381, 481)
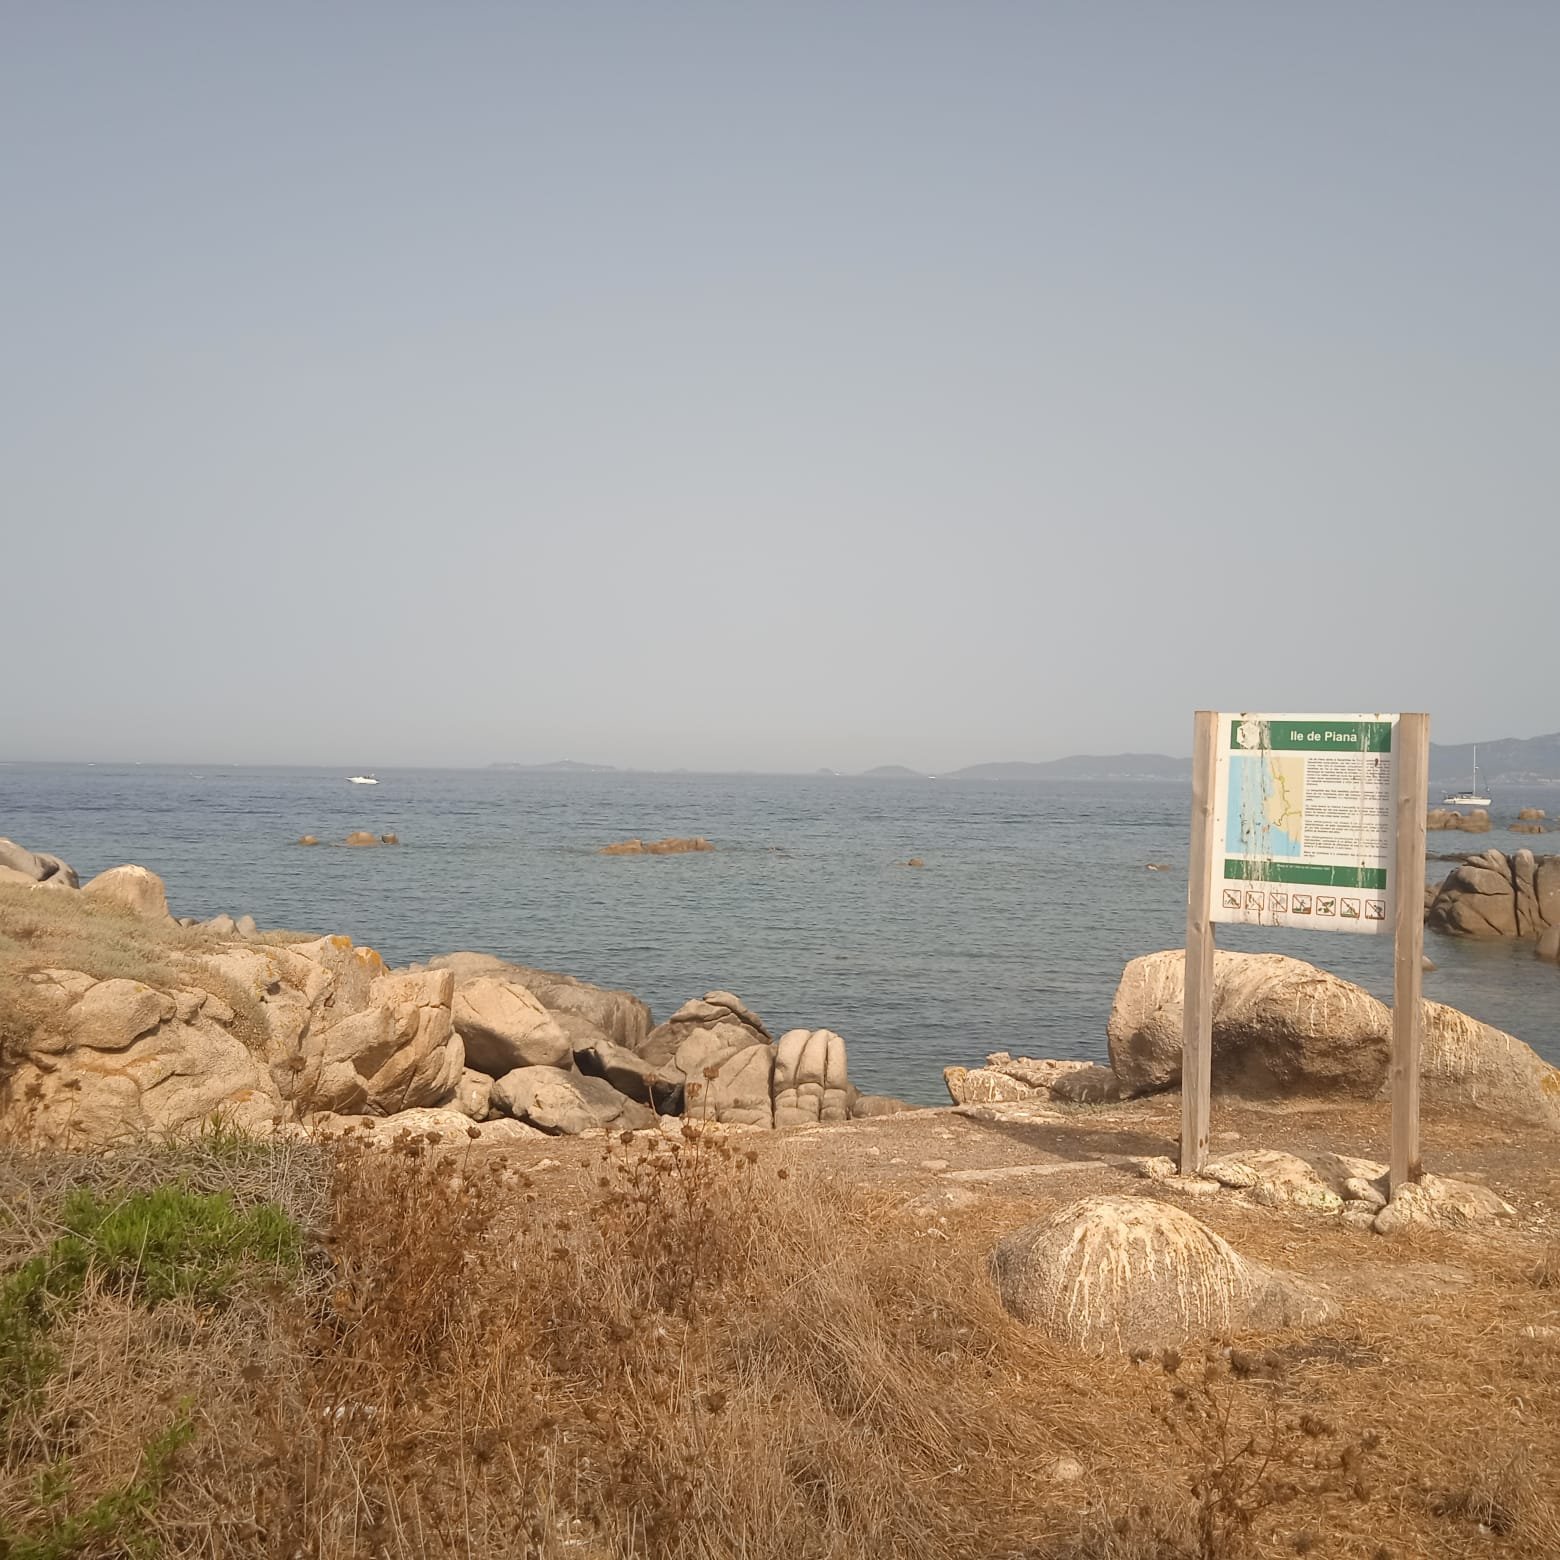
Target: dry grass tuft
point(1503, 1494)
point(1546, 1271)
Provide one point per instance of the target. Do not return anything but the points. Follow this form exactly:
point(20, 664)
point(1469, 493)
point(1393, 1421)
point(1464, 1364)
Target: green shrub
point(150, 1247)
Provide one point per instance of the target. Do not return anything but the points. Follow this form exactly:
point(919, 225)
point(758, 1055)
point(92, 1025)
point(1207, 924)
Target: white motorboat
point(361, 780)
point(1470, 797)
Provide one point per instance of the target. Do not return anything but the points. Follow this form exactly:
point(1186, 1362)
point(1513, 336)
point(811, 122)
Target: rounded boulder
point(1122, 1274)
point(130, 888)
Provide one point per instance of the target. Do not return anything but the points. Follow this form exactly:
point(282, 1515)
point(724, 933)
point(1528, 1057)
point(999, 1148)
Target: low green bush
point(149, 1247)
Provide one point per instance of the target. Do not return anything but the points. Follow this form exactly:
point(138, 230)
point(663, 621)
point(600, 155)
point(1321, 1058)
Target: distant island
point(564, 766)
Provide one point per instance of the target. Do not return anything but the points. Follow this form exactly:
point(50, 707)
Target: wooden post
point(1197, 1018)
point(1413, 785)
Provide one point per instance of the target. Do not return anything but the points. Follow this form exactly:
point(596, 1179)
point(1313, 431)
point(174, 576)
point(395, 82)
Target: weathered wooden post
point(1197, 1012)
point(1413, 786)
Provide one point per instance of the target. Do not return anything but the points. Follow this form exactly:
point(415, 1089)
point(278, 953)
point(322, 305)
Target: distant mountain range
point(1119, 766)
point(1511, 761)
point(1508, 761)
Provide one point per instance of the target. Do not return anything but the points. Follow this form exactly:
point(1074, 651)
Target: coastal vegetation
point(697, 1348)
point(300, 1255)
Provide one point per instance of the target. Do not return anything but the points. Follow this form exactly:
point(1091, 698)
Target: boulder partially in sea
point(1496, 895)
point(1285, 1028)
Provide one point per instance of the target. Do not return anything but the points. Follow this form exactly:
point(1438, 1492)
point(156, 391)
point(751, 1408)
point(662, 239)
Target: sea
point(1011, 937)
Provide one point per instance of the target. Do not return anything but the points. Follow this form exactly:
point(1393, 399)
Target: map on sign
point(1303, 821)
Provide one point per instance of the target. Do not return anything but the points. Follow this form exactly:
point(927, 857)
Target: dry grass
point(1546, 1271)
point(44, 929)
point(696, 1355)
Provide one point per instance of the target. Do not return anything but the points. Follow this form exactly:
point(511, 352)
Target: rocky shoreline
point(273, 1032)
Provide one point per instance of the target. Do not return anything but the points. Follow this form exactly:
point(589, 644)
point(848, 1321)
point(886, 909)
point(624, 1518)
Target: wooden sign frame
point(1411, 782)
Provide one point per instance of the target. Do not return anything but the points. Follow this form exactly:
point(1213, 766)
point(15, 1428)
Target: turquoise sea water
point(1011, 938)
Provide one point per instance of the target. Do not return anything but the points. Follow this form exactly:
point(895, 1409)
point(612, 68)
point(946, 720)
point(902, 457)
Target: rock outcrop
point(557, 1101)
point(316, 1034)
point(810, 1082)
point(503, 1025)
point(1006, 1078)
point(109, 1060)
point(1122, 1274)
point(36, 866)
point(1496, 895)
point(736, 1090)
point(618, 1015)
point(395, 1052)
point(700, 1033)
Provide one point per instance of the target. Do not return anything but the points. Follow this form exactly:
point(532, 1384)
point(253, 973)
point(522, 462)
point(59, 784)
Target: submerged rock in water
point(667, 847)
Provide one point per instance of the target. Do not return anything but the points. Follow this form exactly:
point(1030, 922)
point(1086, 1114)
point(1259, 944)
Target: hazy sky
point(771, 385)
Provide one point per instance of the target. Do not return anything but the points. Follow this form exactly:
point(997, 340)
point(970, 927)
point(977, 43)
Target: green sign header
point(1320, 736)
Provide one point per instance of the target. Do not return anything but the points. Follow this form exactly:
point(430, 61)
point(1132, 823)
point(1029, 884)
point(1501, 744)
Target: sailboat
point(1470, 797)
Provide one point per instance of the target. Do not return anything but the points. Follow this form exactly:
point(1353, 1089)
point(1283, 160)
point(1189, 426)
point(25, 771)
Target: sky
point(771, 385)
